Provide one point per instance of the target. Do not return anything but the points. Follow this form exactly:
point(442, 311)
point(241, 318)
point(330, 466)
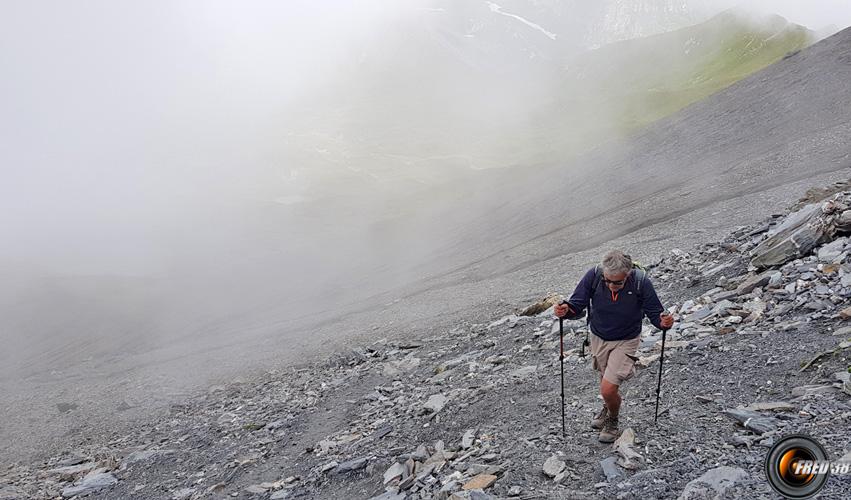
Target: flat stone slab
point(480, 482)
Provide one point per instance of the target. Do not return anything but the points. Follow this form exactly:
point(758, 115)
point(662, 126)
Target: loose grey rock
point(844, 221)
point(73, 470)
point(255, 489)
point(610, 469)
point(724, 295)
point(511, 319)
point(752, 282)
point(400, 367)
point(90, 483)
point(73, 460)
point(553, 466)
point(699, 314)
point(717, 269)
point(809, 390)
point(843, 332)
point(396, 471)
point(183, 494)
point(771, 405)
point(435, 403)
point(524, 372)
point(451, 485)
point(832, 250)
point(713, 484)
point(381, 432)
point(468, 439)
point(141, 456)
point(351, 465)
point(421, 453)
point(721, 307)
point(479, 495)
point(775, 279)
point(753, 420)
point(389, 495)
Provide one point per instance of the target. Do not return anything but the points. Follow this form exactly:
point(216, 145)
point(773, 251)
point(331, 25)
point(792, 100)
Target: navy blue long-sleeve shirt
point(616, 315)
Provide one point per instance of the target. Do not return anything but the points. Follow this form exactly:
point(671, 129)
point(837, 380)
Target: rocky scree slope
point(474, 412)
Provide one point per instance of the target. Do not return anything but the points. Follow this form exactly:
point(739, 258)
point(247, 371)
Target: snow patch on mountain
point(498, 10)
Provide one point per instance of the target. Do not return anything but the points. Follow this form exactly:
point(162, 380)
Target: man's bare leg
point(610, 394)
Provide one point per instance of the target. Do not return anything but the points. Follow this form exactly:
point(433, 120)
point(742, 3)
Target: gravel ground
point(480, 402)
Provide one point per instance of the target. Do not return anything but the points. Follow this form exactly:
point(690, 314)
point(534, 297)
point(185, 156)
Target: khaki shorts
point(614, 359)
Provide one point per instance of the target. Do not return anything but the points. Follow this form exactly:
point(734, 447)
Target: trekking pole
point(561, 359)
point(659, 384)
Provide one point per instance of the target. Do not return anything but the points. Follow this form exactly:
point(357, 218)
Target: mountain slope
point(784, 123)
point(441, 104)
point(653, 77)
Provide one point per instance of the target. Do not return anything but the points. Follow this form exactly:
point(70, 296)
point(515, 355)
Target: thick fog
point(209, 171)
point(822, 16)
point(143, 148)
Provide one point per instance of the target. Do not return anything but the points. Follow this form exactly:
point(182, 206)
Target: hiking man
point(616, 311)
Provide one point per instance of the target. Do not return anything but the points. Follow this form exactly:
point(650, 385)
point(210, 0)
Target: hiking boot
point(610, 429)
point(597, 422)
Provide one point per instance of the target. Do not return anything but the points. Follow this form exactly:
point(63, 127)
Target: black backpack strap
point(598, 278)
point(639, 275)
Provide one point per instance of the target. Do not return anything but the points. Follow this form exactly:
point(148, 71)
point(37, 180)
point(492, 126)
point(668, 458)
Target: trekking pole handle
point(564, 303)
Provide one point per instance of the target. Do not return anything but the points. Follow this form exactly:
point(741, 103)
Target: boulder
point(799, 233)
point(541, 306)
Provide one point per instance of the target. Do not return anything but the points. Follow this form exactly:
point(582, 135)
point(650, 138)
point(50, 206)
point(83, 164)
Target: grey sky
point(814, 14)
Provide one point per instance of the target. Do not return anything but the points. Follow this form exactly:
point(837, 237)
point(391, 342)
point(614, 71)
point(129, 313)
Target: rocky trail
point(757, 352)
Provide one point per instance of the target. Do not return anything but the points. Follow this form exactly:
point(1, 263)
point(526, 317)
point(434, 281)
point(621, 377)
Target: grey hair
point(616, 262)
